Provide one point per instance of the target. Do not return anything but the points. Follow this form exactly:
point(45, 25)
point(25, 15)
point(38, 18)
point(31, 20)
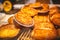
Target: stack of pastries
point(39, 16)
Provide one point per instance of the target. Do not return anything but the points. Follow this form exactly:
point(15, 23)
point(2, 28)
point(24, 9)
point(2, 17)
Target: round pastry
point(53, 10)
point(10, 20)
point(44, 31)
point(29, 11)
point(43, 34)
point(23, 19)
point(8, 31)
point(55, 19)
point(43, 8)
point(58, 31)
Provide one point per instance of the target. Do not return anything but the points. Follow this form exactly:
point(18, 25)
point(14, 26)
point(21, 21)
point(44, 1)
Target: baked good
point(8, 31)
point(55, 19)
point(43, 34)
point(54, 15)
point(43, 28)
point(53, 10)
point(44, 31)
point(23, 19)
point(43, 8)
point(39, 19)
point(44, 25)
point(29, 11)
point(10, 20)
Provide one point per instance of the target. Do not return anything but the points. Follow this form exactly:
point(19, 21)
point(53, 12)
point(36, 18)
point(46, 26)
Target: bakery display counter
point(31, 22)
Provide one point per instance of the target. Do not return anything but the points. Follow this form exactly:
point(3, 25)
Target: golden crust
point(29, 11)
point(8, 31)
point(53, 10)
point(44, 8)
point(39, 19)
point(10, 20)
point(47, 25)
point(43, 34)
point(55, 19)
point(23, 18)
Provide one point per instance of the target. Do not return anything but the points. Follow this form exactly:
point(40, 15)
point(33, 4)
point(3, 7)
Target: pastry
point(55, 19)
point(44, 25)
point(43, 34)
point(23, 19)
point(10, 20)
point(8, 31)
point(44, 31)
point(39, 19)
point(53, 10)
point(43, 8)
point(29, 11)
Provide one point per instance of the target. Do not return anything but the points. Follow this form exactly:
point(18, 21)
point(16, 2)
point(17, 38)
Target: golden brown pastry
point(44, 34)
point(58, 31)
point(10, 20)
point(43, 28)
point(43, 8)
point(53, 10)
point(44, 25)
point(44, 31)
point(55, 19)
point(39, 19)
point(29, 11)
point(8, 31)
point(23, 18)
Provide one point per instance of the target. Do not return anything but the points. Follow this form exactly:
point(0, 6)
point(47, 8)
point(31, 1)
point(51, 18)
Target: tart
point(8, 31)
point(23, 19)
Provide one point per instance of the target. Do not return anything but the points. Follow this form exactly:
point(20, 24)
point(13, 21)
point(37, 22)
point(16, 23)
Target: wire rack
point(25, 34)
